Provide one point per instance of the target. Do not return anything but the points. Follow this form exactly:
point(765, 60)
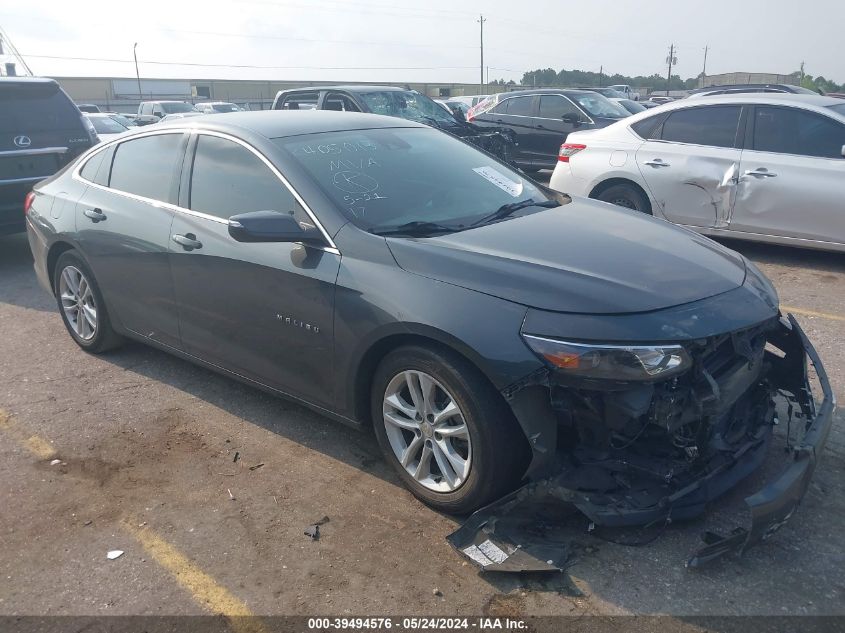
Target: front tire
point(626, 196)
point(82, 306)
point(444, 428)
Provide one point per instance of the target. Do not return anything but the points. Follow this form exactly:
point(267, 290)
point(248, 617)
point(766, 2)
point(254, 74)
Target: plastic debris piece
point(55, 462)
point(256, 467)
point(237, 455)
point(231, 496)
point(313, 531)
point(115, 553)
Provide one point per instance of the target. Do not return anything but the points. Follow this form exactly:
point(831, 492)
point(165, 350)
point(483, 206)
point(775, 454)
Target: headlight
point(611, 362)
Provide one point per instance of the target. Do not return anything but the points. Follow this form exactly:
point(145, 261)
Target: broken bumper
point(515, 532)
point(772, 506)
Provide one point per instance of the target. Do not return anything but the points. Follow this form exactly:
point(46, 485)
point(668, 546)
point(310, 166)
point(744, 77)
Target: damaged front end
point(647, 452)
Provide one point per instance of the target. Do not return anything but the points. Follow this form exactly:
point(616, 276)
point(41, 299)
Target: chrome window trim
point(76, 175)
point(30, 152)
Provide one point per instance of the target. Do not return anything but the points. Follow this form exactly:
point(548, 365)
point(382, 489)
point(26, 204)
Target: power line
point(162, 63)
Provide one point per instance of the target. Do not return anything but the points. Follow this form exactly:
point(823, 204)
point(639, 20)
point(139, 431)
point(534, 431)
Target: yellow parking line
point(38, 446)
point(204, 589)
point(812, 313)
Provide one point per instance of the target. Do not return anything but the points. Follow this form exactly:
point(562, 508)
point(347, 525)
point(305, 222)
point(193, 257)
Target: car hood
point(583, 257)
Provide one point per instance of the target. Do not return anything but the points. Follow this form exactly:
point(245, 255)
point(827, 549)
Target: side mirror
point(572, 119)
point(843, 151)
point(271, 226)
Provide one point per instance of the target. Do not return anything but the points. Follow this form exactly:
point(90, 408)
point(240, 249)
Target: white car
point(217, 107)
point(106, 126)
point(769, 168)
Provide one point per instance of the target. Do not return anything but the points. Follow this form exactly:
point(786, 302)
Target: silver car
point(769, 168)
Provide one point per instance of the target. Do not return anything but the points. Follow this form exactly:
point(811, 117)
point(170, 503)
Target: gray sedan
point(390, 275)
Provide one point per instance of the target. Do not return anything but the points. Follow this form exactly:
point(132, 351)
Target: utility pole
point(802, 74)
point(704, 70)
point(481, 21)
point(137, 74)
point(601, 76)
point(671, 59)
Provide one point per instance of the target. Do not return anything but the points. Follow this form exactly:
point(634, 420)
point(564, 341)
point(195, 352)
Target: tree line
point(571, 78)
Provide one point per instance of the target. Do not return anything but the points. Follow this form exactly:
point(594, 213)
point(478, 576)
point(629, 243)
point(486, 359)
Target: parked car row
point(490, 330)
point(398, 102)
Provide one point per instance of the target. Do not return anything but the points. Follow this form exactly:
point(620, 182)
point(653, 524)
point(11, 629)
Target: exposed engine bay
point(650, 453)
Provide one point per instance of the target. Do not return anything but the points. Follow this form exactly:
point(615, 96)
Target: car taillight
point(27, 202)
point(568, 150)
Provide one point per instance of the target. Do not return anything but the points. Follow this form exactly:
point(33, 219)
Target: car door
point(261, 310)
point(690, 163)
point(517, 114)
point(123, 223)
point(792, 176)
point(550, 130)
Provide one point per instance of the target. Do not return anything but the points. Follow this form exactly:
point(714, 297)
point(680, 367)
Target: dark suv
point(542, 119)
point(41, 131)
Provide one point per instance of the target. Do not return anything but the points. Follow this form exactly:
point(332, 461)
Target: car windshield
point(172, 108)
point(407, 105)
point(383, 178)
point(225, 107)
point(106, 125)
point(839, 108)
point(597, 105)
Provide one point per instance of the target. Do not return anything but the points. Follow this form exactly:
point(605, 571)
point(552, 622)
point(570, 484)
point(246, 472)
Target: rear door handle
point(657, 163)
point(540, 127)
point(96, 215)
point(762, 172)
point(188, 241)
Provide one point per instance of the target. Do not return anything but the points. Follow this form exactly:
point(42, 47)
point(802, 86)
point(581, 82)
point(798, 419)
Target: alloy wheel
point(78, 302)
point(427, 431)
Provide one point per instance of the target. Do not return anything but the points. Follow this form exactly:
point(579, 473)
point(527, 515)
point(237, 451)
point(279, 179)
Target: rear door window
point(145, 166)
point(28, 108)
point(712, 126)
point(339, 102)
point(520, 106)
point(300, 101)
point(793, 131)
point(228, 179)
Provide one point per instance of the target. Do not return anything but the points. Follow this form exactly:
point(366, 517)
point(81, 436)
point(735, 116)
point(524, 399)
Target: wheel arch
point(604, 185)
point(359, 387)
point(55, 251)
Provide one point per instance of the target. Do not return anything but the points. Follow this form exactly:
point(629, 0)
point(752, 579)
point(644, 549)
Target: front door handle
point(657, 163)
point(96, 215)
point(761, 172)
point(540, 127)
point(188, 241)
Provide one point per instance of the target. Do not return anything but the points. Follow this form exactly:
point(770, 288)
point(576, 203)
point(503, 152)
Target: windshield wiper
point(416, 227)
point(507, 209)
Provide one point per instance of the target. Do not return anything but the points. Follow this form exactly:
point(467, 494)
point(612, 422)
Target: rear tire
point(82, 306)
point(491, 444)
point(626, 196)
